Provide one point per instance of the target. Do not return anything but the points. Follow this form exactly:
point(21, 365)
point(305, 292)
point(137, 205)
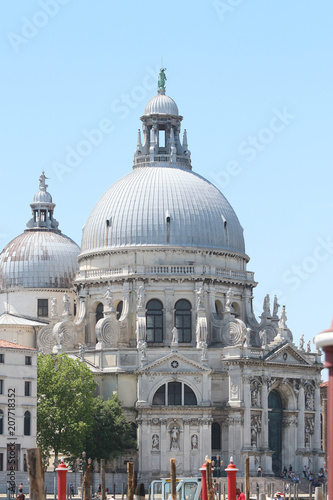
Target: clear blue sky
point(253, 80)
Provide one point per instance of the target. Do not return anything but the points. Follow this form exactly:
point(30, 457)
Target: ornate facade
point(164, 317)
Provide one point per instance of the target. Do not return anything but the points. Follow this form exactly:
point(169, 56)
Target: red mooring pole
point(204, 495)
point(324, 340)
point(62, 483)
point(231, 471)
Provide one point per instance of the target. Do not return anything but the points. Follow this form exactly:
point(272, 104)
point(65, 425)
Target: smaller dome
point(42, 197)
point(161, 104)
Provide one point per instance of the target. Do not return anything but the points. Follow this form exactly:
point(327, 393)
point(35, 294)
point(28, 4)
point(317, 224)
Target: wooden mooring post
point(35, 474)
point(130, 480)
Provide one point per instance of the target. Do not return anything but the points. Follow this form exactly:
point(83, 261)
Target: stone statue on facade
point(200, 298)
point(194, 442)
point(155, 442)
point(174, 342)
point(108, 298)
point(66, 304)
point(267, 306)
point(283, 318)
point(308, 346)
point(228, 304)
point(263, 337)
point(162, 79)
point(54, 309)
point(301, 343)
point(276, 306)
point(174, 438)
point(140, 301)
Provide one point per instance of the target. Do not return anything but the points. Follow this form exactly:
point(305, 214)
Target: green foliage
point(65, 392)
point(111, 433)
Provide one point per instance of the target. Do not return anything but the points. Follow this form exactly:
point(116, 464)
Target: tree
point(65, 395)
point(111, 433)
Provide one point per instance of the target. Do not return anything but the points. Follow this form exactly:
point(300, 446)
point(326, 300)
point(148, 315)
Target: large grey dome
point(39, 259)
point(162, 206)
point(161, 104)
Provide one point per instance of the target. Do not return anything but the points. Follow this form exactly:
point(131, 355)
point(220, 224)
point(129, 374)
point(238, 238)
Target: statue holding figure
point(162, 79)
point(200, 298)
point(174, 435)
point(228, 304)
point(174, 342)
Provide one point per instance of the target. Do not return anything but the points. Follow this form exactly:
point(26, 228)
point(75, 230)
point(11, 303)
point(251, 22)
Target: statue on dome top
point(267, 306)
point(283, 318)
point(162, 79)
point(276, 306)
point(42, 185)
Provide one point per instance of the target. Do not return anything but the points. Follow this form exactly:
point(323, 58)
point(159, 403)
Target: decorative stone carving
point(66, 305)
point(276, 306)
point(54, 309)
point(309, 397)
point(174, 438)
point(45, 340)
point(255, 394)
point(255, 429)
point(233, 390)
point(266, 306)
point(200, 298)
point(232, 332)
point(155, 445)
point(308, 347)
point(107, 331)
point(301, 343)
point(140, 300)
point(174, 342)
point(309, 430)
point(194, 442)
point(201, 328)
point(109, 299)
point(228, 304)
point(283, 318)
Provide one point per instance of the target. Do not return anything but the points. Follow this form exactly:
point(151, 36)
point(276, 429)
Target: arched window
point(1, 422)
point(119, 308)
point(99, 311)
point(183, 320)
point(27, 423)
point(216, 436)
point(174, 394)
point(154, 317)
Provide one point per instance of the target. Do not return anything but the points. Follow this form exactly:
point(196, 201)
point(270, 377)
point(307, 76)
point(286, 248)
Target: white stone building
point(164, 317)
point(18, 395)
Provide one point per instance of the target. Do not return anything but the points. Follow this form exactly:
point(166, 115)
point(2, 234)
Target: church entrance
point(275, 431)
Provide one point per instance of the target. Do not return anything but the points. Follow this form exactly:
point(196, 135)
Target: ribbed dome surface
point(162, 206)
point(42, 197)
point(38, 259)
point(161, 104)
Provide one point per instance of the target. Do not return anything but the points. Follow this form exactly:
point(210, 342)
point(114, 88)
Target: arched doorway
point(275, 431)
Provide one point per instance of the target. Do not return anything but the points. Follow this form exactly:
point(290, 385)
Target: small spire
point(139, 144)
point(185, 145)
point(161, 81)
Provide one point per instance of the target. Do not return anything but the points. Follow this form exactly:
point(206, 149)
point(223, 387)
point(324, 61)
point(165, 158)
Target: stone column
point(264, 416)
point(317, 425)
point(301, 426)
point(168, 315)
point(247, 413)
point(187, 447)
point(205, 437)
point(164, 440)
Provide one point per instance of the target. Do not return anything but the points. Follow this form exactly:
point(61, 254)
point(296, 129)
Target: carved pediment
point(173, 362)
point(287, 354)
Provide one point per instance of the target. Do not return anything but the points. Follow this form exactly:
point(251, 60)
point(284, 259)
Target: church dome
point(162, 206)
point(161, 104)
point(39, 259)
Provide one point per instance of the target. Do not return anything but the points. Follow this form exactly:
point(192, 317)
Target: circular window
point(174, 364)
point(285, 356)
